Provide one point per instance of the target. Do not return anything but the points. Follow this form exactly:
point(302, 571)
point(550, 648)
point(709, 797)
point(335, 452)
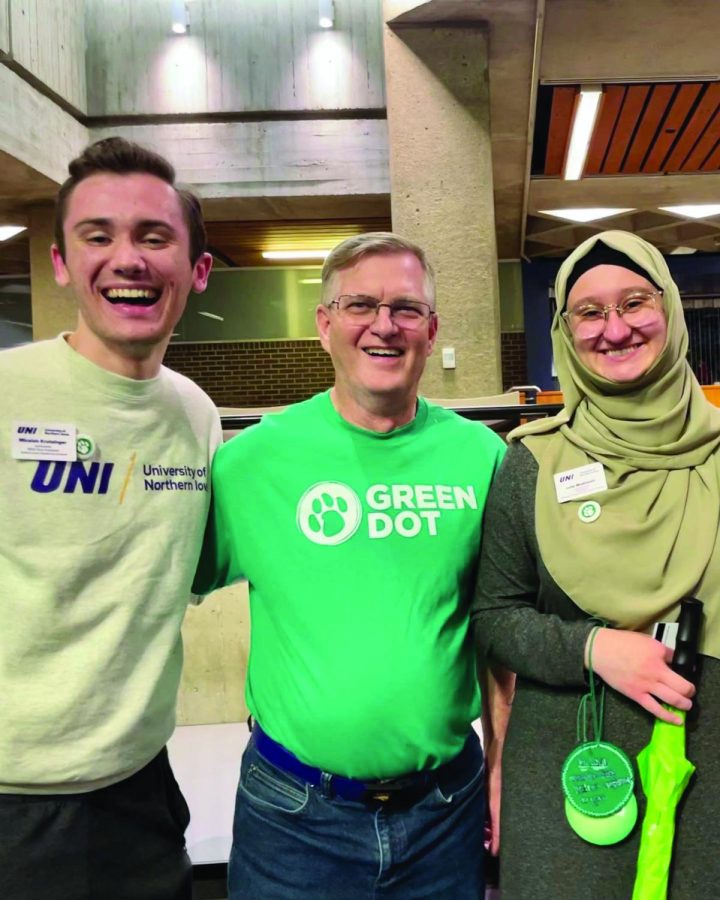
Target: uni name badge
point(44, 441)
point(580, 482)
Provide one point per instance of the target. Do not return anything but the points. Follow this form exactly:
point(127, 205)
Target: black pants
point(123, 842)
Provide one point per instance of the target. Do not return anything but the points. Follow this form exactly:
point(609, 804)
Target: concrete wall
point(273, 158)
point(237, 57)
point(47, 39)
point(615, 40)
point(35, 130)
point(442, 194)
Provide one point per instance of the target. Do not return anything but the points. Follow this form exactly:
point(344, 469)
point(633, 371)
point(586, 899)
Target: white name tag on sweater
point(44, 441)
point(580, 482)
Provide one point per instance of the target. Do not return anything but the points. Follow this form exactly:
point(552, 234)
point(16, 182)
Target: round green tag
point(589, 511)
point(604, 830)
point(84, 446)
point(598, 779)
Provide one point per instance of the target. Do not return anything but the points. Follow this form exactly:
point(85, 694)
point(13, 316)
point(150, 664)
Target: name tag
point(580, 482)
point(44, 441)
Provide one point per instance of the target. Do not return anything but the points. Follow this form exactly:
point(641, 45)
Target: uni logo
point(50, 475)
point(27, 429)
point(329, 513)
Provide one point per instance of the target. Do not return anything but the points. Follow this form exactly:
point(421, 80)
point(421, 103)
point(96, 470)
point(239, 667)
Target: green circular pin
point(598, 779)
point(84, 446)
point(589, 511)
point(603, 830)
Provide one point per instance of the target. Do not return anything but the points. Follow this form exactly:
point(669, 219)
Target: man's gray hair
point(370, 244)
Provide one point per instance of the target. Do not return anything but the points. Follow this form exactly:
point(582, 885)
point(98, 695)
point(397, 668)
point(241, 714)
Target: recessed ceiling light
point(311, 281)
point(683, 251)
point(180, 17)
point(9, 231)
point(326, 13)
point(209, 315)
point(582, 130)
point(695, 210)
point(590, 214)
point(295, 254)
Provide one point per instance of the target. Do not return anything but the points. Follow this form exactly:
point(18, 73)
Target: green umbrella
point(665, 772)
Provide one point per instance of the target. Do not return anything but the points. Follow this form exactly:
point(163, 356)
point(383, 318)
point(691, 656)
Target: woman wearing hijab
point(567, 549)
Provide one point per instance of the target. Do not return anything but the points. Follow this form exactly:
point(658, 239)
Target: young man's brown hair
point(121, 157)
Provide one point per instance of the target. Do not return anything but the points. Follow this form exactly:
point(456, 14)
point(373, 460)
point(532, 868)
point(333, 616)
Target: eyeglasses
point(361, 310)
point(637, 309)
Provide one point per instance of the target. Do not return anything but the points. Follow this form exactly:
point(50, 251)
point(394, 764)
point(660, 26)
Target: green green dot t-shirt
point(360, 551)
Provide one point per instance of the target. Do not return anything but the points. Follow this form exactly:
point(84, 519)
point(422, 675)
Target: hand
point(637, 665)
point(493, 762)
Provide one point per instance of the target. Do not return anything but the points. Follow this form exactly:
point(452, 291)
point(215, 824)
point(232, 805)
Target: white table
point(206, 762)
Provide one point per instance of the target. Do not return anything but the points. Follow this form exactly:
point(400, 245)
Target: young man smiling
point(356, 519)
point(96, 567)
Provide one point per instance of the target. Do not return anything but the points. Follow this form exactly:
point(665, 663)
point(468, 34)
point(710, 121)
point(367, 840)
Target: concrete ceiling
point(531, 42)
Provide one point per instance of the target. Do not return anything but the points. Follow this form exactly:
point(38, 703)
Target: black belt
point(401, 789)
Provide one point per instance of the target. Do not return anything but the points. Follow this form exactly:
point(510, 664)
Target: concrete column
point(53, 308)
point(442, 191)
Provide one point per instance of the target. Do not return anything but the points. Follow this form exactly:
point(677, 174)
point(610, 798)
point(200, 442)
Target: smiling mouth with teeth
point(622, 351)
point(384, 351)
point(132, 296)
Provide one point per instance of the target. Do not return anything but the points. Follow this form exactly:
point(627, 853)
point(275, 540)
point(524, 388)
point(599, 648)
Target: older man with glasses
point(356, 516)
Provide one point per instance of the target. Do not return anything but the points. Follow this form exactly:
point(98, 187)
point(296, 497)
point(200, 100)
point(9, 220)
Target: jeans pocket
point(266, 786)
point(458, 789)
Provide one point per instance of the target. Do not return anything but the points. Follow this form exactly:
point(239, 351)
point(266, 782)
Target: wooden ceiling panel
point(561, 116)
point(678, 113)
point(240, 244)
point(693, 130)
point(705, 146)
point(640, 129)
point(610, 107)
point(632, 108)
point(712, 163)
point(657, 104)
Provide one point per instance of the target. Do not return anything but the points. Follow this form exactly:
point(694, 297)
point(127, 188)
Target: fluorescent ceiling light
point(683, 251)
point(582, 129)
point(326, 13)
point(9, 231)
point(209, 315)
point(311, 281)
point(695, 211)
point(180, 17)
point(295, 254)
point(590, 214)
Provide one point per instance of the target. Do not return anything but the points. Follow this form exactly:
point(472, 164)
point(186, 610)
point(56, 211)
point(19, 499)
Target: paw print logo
point(84, 446)
point(329, 513)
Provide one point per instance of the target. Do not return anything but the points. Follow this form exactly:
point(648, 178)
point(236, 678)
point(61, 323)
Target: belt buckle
point(385, 789)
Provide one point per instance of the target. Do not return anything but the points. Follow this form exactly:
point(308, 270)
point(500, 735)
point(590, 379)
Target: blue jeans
point(292, 841)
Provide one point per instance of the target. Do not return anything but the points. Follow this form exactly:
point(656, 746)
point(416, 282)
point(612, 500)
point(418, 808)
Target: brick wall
point(254, 373)
point(513, 357)
point(273, 373)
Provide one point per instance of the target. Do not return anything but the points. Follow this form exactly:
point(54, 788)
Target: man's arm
point(498, 690)
point(218, 565)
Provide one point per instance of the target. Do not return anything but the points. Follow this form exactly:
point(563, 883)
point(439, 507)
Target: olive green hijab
point(656, 539)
